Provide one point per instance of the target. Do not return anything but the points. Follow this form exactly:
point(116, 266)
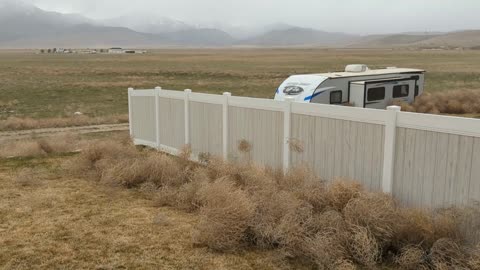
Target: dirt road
point(45, 132)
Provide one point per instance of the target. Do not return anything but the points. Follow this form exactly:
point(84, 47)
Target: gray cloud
point(352, 16)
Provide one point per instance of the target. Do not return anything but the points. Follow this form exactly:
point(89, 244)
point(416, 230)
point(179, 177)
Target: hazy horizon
point(349, 16)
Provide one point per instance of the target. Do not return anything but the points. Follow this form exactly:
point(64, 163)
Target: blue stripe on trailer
point(312, 96)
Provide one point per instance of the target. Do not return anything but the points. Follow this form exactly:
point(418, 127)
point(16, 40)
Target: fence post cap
point(227, 93)
point(188, 90)
point(158, 88)
point(130, 89)
point(289, 99)
point(394, 108)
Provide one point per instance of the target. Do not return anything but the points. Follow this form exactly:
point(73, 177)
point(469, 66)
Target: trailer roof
point(371, 72)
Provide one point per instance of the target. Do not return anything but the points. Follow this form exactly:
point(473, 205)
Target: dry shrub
point(297, 177)
point(474, 260)
point(247, 175)
point(252, 178)
point(156, 168)
point(331, 221)
point(375, 211)
point(219, 168)
point(296, 145)
point(244, 146)
point(344, 264)
point(468, 223)
point(185, 153)
point(21, 149)
point(281, 220)
point(411, 257)
point(188, 195)
point(363, 247)
point(341, 191)
point(447, 252)
point(100, 156)
point(306, 185)
point(451, 102)
point(326, 250)
point(40, 147)
point(297, 213)
point(446, 223)
point(224, 216)
point(414, 227)
point(292, 230)
point(16, 123)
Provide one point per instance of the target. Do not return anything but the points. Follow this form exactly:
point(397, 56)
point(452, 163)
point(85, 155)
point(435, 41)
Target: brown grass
point(243, 205)
point(73, 223)
point(15, 123)
point(450, 102)
point(26, 177)
point(40, 146)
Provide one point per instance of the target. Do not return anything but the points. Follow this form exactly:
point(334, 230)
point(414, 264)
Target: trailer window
point(377, 93)
point(401, 91)
point(336, 97)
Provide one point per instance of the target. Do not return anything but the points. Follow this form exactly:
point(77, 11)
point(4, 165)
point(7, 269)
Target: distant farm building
point(129, 51)
point(115, 50)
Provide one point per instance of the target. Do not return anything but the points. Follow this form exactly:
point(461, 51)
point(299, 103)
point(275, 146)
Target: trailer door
point(376, 95)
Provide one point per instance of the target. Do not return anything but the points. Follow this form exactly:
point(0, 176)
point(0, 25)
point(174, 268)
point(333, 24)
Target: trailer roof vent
point(391, 67)
point(356, 68)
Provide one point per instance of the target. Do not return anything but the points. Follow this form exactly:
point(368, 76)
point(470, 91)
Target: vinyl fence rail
point(423, 160)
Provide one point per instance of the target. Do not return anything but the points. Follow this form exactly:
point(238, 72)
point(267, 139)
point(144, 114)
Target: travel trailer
point(357, 86)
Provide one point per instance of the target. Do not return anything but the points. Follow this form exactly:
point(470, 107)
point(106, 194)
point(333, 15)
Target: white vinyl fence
point(423, 160)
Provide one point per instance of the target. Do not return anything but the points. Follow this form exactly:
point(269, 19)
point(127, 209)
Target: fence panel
point(436, 169)
point(206, 128)
point(171, 120)
point(340, 148)
point(423, 160)
point(262, 129)
point(143, 118)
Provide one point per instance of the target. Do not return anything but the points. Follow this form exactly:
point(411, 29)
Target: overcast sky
point(352, 16)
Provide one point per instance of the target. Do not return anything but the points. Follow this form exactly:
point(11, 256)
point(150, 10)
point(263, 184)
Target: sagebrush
point(334, 225)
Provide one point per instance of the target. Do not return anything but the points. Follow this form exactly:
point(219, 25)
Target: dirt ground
point(45, 132)
point(49, 221)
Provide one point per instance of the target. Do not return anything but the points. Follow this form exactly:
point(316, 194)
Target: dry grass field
point(46, 86)
point(94, 201)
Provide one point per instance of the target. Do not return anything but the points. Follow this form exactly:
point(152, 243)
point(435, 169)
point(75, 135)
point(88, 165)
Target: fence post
point(286, 132)
point(130, 111)
point(187, 115)
point(226, 95)
point(389, 148)
point(157, 114)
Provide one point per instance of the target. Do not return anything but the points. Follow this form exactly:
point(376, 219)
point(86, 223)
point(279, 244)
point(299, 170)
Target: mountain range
point(26, 26)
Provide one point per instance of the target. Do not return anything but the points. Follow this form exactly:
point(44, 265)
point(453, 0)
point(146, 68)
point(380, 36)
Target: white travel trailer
point(357, 86)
